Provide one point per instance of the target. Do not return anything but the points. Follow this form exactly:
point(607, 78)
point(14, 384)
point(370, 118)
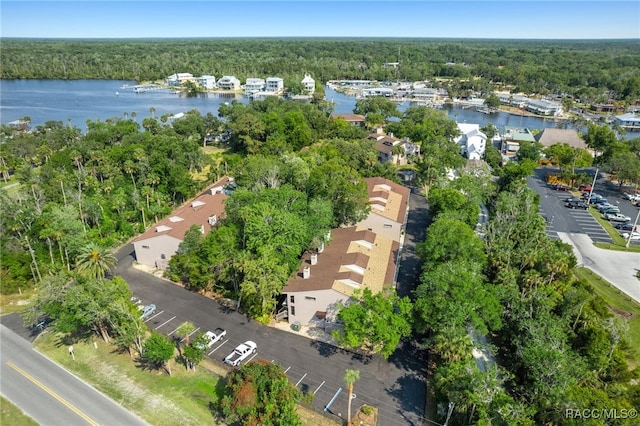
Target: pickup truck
point(616, 217)
point(215, 336)
point(240, 353)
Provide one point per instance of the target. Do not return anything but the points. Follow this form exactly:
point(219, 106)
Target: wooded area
point(592, 70)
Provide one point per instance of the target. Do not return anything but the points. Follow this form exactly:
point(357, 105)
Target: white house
point(308, 85)
point(377, 91)
point(253, 85)
point(179, 78)
point(543, 107)
point(229, 82)
point(274, 84)
point(207, 81)
point(471, 140)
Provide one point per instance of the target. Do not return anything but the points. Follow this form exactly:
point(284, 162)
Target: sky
point(506, 19)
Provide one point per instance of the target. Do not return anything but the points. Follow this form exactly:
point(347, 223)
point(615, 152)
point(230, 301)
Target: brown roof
point(378, 261)
point(194, 212)
point(349, 117)
point(550, 136)
point(396, 198)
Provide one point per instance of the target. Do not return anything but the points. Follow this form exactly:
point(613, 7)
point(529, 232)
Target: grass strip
point(621, 304)
point(12, 415)
point(619, 243)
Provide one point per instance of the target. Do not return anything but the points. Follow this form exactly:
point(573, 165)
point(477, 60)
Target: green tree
point(600, 139)
point(158, 350)
point(94, 261)
point(260, 393)
point(492, 102)
point(350, 377)
point(193, 354)
point(450, 240)
point(375, 333)
point(379, 105)
point(453, 203)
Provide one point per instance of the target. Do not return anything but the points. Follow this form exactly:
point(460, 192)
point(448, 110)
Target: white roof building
point(629, 120)
point(229, 82)
point(472, 141)
point(308, 84)
point(274, 84)
point(179, 78)
point(253, 85)
point(207, 81)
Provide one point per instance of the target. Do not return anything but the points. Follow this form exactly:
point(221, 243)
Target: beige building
point(389, 206)
point(161, 241)
point(385, 145)
point(357, 257)
point(351, 260)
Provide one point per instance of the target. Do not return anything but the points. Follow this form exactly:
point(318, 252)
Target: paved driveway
point(619, 268)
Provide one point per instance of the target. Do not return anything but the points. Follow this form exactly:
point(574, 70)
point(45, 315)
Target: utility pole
point(593, 184)
point(635, 224)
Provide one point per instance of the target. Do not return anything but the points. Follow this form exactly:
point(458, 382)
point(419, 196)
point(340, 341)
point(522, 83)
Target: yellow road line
point(52, 393)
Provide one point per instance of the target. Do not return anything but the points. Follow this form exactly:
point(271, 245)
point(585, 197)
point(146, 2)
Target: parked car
point(626, 227)
point(631, 197)
point(577, 205)
point(605, 206)
point(147, 311)
point(616, 217)
point(635, 236)
point(610, 210)
point(570, 199)
point(240, 353)
point(585, 187)
point(559, 187)
point(600, 201)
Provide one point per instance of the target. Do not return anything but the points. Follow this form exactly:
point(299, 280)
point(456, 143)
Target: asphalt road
point(415, 232)
point(396, 386)
point(50, 394)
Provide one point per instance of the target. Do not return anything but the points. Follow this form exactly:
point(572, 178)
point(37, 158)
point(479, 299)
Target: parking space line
point(254, 355)
point(173, 331)
point(318, 388)
point(287, 369)
point(166, 322)
point(150, 318)
point(219, 346)
point(305, 375)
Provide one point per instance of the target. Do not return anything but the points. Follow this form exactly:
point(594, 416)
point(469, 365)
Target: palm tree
point(185, 331)
point(350, 377)
point(95, 261)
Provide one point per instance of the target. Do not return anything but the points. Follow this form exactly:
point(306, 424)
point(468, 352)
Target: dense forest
point(593, 71)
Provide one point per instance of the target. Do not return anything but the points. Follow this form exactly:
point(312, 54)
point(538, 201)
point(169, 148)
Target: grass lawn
point(184, 398)
point(12, 415)
point(619, 243)
point(624, 307)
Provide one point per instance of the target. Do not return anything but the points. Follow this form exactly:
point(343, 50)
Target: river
point(76, 101)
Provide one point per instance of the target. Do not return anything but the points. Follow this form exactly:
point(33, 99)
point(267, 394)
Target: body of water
point(76, 101)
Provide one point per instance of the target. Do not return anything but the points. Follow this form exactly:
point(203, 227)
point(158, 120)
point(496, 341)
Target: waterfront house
point(628, 120)
point(179, 78)
point(160, 242)
point(543, 107)
point(353, 119)
point(377, 91)
point(471, 140)
point(548, 137)
point(308, 85)
point(253, 85)
point(274, 85)
point(511, 139)
point(207, 81)
point(229, 82)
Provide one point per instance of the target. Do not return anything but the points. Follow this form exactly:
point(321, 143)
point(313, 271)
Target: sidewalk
point(313, 333)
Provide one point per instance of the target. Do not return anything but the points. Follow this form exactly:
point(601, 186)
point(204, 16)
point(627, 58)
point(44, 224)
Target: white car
point(240, 353)
point(616, 217)
point(635, 236)
point(215, 336)
point(147, 311)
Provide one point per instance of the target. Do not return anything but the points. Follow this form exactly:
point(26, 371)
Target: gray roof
point(551, 136)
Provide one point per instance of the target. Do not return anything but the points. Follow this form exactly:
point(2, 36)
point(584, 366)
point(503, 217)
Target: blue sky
point(512, 19)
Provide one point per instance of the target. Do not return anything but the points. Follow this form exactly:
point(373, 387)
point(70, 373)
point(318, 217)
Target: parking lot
point(326, 385)
point(562, 219)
